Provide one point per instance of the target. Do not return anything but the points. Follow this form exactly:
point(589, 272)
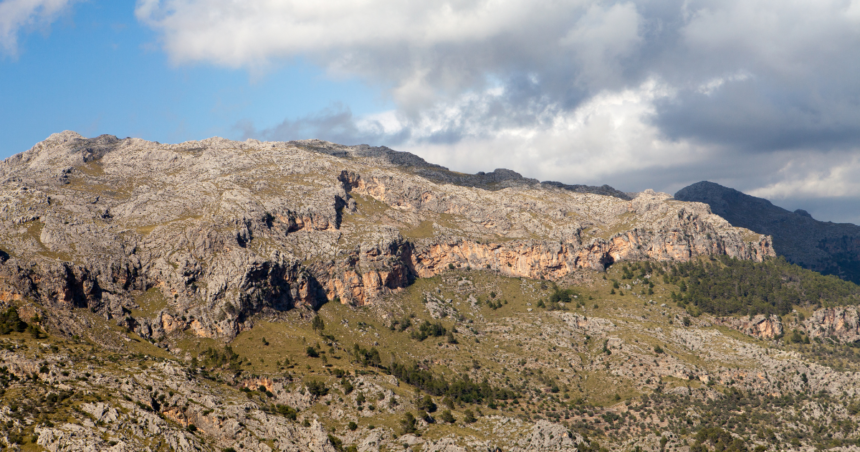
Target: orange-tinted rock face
point(553, 261)
point(176, 414)
point(201, 330)
point(255, 383)
point(530, 259)
point(841, 324)
point(170, 324)
point(6, 296)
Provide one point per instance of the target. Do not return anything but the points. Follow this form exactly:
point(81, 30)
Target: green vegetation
point(286, 411)
point(516, 362)
point(318, 324)
point(316, 388)
point(9, 321)
point(366, 357)
point(408, 424)
point(727, 286)
point(428, 329)
point(217, 359)
point(463, 389)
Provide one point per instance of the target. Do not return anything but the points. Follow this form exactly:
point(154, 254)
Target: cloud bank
point(760, 95)
point(18, 15)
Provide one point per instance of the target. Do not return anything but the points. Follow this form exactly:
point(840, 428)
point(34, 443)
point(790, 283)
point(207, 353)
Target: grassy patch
point(151, 302)
point(368, 205)
point(422, 231)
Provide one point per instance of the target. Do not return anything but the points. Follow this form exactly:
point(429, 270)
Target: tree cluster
point(428, 329)
point(727, 286)
point(462, 389)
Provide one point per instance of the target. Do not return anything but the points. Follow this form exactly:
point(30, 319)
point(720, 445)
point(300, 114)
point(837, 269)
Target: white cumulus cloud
point(18, 15)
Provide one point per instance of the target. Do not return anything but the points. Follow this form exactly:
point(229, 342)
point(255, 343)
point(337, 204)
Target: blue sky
point(97, 70)
point(762, 96)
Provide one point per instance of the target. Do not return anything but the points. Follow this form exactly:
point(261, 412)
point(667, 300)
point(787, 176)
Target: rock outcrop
point(841, 324)
point(760, 326)
point(200, 236)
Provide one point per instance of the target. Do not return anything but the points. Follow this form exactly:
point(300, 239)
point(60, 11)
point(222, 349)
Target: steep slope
point(610, 366)
point(829, 248)
point(225, 296)
point(206, 234)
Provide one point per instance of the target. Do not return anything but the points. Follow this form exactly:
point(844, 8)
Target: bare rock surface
point(199, 236)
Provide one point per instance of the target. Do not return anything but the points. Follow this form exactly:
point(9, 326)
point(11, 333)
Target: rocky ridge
point(208, 233)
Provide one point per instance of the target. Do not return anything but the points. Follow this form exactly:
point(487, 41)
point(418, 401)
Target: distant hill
point(830, 248)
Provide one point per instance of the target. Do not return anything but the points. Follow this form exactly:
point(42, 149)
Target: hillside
point(830, 248)
point(251, 296)
point(222, 230)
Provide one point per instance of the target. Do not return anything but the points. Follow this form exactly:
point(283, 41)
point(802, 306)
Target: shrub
point(316, 388)
point(469, 417)
point(347, 386)
point(286, 411)
point(427, 404)
point(451, 338)
point(462, 389)
point(447, 417)
point(317, 323)
point(215, 359)
point(428, 329)
point(407, 424)
point(9, 321)
point(367, 357)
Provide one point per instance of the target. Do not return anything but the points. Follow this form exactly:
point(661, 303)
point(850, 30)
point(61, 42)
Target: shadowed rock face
point(213, 231)
point(826, 247)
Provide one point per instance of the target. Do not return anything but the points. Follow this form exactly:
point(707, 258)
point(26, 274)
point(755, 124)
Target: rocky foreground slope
point(222, 229)
point(831, 248)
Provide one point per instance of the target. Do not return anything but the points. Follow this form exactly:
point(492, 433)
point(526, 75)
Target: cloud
point(812, 175)
point(607, 135)
point(16, 15)
point(336, 124)
point(764, 75)
point(420, 51)
point(760, 95)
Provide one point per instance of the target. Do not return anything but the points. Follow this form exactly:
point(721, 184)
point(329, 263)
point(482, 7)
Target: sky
point(758, 95)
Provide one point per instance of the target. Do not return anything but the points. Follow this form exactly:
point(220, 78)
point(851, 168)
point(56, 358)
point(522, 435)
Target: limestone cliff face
point(200, 236)
point(841, 324)
point(760, 326)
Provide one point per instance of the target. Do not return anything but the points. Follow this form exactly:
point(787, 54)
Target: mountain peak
point(821, 246)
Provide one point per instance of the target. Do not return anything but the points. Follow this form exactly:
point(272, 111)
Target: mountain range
point(258, 296)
